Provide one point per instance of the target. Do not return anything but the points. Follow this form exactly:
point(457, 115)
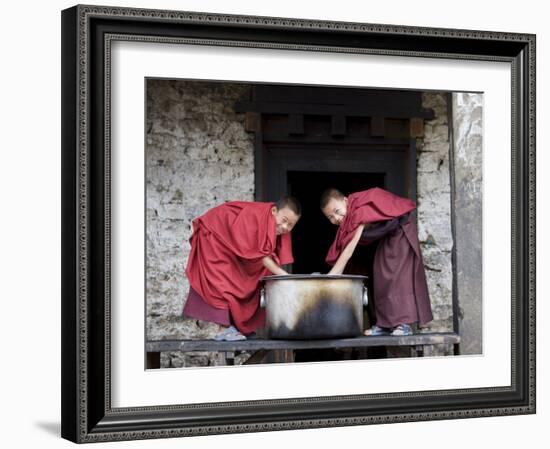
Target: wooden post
point(153, 360)
point(417, 351)
point(257, 357)
point(280, 356)
point(252, 122)
point(229, 358)
point(456, 349)
point(417, 127)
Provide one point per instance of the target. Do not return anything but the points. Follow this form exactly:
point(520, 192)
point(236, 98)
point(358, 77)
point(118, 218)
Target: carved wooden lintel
point(338, 125)
point(377, 127)
point(296, 124)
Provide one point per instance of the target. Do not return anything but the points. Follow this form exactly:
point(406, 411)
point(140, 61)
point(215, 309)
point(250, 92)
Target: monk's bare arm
point(340, 264)
point(270, 264)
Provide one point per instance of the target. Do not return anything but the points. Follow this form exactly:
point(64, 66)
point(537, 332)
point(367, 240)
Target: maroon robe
point(197, 308)
point(399, 280)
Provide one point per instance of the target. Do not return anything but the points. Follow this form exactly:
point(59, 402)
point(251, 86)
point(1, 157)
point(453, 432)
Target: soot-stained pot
point(314, 306)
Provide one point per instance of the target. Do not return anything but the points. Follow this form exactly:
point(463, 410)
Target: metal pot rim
point(312, 277)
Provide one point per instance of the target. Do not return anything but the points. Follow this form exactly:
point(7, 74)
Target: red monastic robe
point(368, 206)
point(399, 279)
point(225, 263)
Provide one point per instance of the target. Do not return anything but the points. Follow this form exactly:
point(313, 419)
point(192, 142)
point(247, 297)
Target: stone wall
point(450, 177)
point(468, 188)
point(198, 155)
point(434, 211)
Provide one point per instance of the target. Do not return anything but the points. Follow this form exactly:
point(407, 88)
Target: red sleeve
point(284, 249)
point(247, 229)
point(370, 206)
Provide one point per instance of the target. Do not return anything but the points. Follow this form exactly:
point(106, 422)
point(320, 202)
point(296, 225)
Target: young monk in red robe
point(232, 247)
point(399, 280)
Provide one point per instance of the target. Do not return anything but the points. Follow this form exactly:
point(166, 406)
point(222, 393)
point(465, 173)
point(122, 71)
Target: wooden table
point(282, 351)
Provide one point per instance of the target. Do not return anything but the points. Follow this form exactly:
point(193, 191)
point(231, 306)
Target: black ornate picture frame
point(87, 34)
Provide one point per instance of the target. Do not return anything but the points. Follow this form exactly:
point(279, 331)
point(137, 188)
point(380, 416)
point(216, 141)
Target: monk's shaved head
point(287, 212)
point(330, 194)
point(291, 203)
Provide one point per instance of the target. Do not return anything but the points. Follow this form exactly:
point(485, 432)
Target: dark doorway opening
point(313, 235)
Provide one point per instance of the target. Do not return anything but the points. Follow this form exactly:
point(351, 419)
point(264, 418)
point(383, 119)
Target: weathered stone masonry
point(198, 155)
point(468, 189)
point(434, 210)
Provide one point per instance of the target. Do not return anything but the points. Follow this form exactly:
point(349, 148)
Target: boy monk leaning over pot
point(399, 280)
point(232, 247)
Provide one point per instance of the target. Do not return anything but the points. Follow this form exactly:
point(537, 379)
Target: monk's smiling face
point(285, 219)
point(336, 210)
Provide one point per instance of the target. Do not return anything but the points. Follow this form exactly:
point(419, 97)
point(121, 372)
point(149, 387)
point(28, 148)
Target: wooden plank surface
point(254, 344)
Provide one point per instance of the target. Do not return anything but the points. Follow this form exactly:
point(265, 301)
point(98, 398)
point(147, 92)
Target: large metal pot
point(314, 306)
